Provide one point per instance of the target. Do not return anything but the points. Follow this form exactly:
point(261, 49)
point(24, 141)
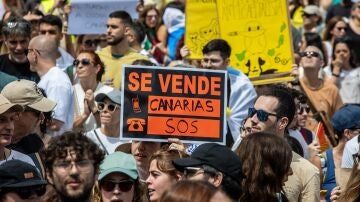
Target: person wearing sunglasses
point(272, 112)
point(118, 180)
point(89, 42)
point(163, 174)
point(321, 92)
point(89, 70)
point(108, 135)
point(311, 20)
point(20, 182)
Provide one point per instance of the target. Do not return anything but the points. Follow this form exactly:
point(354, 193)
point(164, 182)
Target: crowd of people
point(60, 111)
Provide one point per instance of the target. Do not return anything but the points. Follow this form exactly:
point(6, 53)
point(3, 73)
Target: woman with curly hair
point(163, 174)
point(266, 162)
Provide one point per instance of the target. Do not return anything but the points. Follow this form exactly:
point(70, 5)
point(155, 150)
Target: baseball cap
point(16, 173)
point(346, 117)
point(27, 93)
point(5, 105)
point(114, 96)
point(312, 10)
point(119, 162)
point(214, 155)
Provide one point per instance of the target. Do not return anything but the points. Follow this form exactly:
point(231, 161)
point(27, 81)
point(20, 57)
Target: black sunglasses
point(309, 54)
point(26, 192)
point(92, 42)
point(308, 15)
point(341, 28)
point(124, 185)
point(84, 61)
point(111, 107)
point(261, 114)
point(302, 109)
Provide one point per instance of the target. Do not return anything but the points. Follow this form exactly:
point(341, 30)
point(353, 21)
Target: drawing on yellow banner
point(259, 34)
point(202, 25)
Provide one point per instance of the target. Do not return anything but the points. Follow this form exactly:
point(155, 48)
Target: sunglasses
point(110, 107)
point(261, 114)
point(26, 192)
point(84, 62)
point(91, 42)
point(341, 28)
point(301, 109)
point(124, 185)
point(309, 54)
point(308, 15)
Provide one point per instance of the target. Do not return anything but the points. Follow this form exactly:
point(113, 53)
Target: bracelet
point(336, 75)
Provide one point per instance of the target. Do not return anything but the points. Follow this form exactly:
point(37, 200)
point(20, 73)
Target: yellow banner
point(259, 34)
point(201, 25)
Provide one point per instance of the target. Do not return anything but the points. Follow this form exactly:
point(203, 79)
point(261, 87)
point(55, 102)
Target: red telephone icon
point(136, 124)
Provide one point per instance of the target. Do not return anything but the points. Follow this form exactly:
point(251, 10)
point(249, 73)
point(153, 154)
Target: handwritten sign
point(259, 34)
point(160, 103)
point(202, 25)
point(90, 16)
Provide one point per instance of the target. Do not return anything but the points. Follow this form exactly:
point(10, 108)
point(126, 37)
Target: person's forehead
point(115, 21)
point(213, 54)
point(312, 48)
point(17, 38)
point(267, 103)
point(45, 26)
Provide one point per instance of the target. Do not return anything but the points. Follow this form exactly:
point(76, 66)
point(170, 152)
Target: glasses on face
point(309, 54)
point(110, 107)
point(124, 185)
point(27, 51)
point(25, 192)
point(83, 61)
point(261, 114)
point(82, 165)
point(192, 171)
point(341, 28)
point(308, 15)
point(91, 43)
point(303, 109)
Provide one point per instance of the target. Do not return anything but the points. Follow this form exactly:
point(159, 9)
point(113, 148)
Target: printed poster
point(202, 25)
point(259, 34)
point(160, 103)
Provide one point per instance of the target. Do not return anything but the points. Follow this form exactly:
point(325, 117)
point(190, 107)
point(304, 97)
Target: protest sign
point(259, 34)
point(90, 16)
point(202, 25)
point(160, 103)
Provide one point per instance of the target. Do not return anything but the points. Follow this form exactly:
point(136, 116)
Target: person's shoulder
point(104, 52)
point(303, 164)
point(135, 55)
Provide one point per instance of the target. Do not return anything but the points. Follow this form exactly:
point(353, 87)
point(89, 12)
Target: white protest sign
point(90, 16)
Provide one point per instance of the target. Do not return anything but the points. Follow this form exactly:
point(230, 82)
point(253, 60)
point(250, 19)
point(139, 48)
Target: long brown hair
point(352, 190)
point(266, 161)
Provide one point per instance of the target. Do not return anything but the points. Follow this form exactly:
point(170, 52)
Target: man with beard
point(118, 52)
point(72, 162)
point(17, 34)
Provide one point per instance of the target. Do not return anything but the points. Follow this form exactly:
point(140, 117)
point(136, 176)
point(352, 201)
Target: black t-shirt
point(19, 70)
point(27, 145)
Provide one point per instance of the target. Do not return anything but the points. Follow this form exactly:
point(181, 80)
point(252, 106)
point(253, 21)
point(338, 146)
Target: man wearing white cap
point(312, 20)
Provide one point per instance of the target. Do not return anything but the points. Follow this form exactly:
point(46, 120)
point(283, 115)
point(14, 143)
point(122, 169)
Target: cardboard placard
point(160, 103)
point(90, 16)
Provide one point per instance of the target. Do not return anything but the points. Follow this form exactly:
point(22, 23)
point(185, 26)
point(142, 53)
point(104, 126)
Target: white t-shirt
point(58, 88)
point(351, 147)
point(18, 156)
point(65, 60)
point(108, 144)
point(79, 95)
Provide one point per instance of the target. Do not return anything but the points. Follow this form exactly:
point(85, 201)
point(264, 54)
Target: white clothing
point(58, 88)
point(65, 60)
point(18, 156)
point(348, 84)
point(298, 136)
point(108, 144)
point(351, 147)
point(79, 96)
